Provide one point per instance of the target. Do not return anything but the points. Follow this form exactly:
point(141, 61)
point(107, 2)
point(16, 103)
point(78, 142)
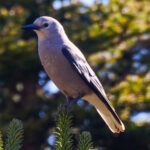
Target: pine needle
point(1, 141)
point(14, 135)
point(85, 141)
point(63, 134)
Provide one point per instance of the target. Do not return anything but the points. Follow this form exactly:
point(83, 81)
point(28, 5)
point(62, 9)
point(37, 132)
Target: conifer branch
point(85, 141)
point(1, 141)
point(14, 135)
point(63, 134)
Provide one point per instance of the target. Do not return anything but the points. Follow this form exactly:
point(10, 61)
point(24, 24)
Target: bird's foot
point(68, 104)
point(64, 106)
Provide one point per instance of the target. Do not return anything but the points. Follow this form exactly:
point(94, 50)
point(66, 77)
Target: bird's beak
point(31, 27)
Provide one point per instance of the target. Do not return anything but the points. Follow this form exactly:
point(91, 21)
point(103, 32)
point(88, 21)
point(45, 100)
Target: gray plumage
point(68, 68)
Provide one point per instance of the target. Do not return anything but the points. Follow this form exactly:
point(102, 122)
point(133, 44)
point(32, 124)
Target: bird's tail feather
point(111, 119)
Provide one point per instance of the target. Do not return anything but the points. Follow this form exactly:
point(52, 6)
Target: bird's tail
point(107, 113)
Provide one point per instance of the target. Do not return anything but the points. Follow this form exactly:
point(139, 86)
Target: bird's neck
point(54, 38)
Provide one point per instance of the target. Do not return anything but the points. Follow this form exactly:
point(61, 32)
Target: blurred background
point(113, 35)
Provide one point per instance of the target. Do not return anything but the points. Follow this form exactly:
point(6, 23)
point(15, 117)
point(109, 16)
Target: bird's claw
point(68, 104)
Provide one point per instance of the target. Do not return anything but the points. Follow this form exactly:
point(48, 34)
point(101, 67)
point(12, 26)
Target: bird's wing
point(78, 61)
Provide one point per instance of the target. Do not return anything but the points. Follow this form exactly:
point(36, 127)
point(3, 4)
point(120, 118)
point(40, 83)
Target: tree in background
point(115, 39)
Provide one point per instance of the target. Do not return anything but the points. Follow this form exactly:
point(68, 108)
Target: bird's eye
point(45, 24)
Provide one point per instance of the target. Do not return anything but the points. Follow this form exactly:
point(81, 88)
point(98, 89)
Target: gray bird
point(67, 67)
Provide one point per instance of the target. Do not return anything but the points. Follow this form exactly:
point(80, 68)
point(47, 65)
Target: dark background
point(113, 35)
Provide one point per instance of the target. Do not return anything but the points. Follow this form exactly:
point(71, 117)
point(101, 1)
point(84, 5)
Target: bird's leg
point(70, 102)
point(64, 105)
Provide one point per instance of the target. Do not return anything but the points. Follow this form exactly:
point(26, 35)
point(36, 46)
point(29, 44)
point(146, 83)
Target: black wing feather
point(87, 74)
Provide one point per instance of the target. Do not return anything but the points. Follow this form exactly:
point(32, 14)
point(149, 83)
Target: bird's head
point(44, 27)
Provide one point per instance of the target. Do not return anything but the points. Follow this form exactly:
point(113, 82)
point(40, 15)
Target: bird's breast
point(62, 73)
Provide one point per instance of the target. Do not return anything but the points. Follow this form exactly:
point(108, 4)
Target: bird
point(66, 65)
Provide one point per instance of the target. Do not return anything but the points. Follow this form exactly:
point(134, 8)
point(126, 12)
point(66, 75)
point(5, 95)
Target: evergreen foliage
point(63, 134)
point(14, 135)
point(1, 141)
point(85, 141)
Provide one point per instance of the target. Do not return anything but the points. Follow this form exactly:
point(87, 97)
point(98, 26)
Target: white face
point(47, 26)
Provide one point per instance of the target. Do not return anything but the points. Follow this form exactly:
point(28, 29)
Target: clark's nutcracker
point(67, 67)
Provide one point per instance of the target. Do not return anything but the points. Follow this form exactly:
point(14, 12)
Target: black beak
point(31, 27)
